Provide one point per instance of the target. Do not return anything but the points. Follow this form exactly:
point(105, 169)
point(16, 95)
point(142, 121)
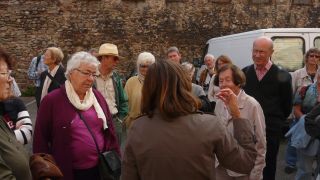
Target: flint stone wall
point(27, 27)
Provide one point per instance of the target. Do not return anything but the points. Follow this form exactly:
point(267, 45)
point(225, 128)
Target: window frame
point(303, 50)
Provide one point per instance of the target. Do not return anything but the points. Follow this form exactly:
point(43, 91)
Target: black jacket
point(274, 93)
point(57, 80)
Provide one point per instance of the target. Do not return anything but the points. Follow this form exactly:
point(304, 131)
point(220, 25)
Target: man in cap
point(174, 54)
point(109, 84)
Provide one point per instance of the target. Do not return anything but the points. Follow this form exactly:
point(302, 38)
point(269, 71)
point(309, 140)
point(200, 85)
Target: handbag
point(109, 162)
point(43, 166)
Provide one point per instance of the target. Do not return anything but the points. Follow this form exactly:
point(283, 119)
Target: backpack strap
point(38, 61)
point(52, 78)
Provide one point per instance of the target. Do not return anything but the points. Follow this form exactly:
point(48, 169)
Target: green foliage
point(29, 91)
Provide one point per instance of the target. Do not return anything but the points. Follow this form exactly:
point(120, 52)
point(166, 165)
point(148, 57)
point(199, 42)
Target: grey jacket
point(185, 148)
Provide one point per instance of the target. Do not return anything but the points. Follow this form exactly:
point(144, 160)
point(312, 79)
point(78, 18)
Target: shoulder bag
point(109, 162)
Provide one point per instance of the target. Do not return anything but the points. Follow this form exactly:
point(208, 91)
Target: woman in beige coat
point(231, 78)
point(173, 141)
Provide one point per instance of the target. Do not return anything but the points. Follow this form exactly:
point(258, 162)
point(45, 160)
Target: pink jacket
point(249, 109)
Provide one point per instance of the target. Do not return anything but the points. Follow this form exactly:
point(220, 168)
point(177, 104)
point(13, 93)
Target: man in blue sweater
point(271, 87)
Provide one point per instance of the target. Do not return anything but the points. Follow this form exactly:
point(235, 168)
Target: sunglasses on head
point(314, 56)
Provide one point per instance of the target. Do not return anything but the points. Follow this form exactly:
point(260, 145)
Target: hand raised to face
point(230, 100)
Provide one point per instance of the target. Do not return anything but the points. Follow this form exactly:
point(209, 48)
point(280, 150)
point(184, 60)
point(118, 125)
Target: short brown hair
point(224, 58)
point(310, 51)
point(238, 76)
point(6, 57)
point(168, 89)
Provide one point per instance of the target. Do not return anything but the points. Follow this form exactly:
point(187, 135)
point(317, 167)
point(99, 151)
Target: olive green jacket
point(14, 161)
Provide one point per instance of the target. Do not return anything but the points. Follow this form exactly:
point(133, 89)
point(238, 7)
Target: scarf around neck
point(88, 101)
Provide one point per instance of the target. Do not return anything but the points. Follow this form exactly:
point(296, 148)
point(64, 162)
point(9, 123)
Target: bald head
point(262, 51)
point(264, 40)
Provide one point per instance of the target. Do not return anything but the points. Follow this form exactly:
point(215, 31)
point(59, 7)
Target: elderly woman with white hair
point(64, 117)
point(134, 85)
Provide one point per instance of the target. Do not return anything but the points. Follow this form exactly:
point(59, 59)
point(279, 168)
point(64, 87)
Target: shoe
point(290, 169)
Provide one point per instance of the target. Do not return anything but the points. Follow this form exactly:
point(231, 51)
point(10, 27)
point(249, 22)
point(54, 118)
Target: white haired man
point(207, 74)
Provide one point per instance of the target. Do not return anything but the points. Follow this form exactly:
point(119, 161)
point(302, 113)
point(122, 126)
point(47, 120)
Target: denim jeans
point(291, 152)
point(304, 166)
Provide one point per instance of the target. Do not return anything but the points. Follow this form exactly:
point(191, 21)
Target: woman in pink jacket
point(230, 79)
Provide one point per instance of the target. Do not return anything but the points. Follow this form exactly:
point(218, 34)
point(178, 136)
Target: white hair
point(79, 58)
point(188, 68)
point(144, 58)
point(209, 56)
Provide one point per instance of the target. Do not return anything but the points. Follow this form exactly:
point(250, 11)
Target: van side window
point(317, 42)
point(288, 52)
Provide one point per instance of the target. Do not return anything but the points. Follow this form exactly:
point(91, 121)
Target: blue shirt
point(34, 73)
point(310, 98)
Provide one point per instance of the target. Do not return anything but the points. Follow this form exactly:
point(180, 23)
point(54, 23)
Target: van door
point(289, 49)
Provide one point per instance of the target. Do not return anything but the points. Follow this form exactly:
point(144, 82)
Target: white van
point(290, 44)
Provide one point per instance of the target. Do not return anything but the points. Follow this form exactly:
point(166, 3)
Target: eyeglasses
point(314, 56)
point(88, 74)
point(6, 75)
point(143, 66)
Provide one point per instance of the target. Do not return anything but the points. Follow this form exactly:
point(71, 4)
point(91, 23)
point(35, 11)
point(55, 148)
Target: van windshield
point(288, 52)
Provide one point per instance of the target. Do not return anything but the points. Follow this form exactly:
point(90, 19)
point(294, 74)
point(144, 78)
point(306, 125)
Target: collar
point(241, 99)
point(108, 76)
point(267, 66)
point(54, 70)
point(304, 72)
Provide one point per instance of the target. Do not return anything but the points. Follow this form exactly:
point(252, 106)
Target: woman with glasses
point(134, 85)
point(230, 78)
point(14, 160)
point(60, 127)
point(301, 78)
point(52, 78)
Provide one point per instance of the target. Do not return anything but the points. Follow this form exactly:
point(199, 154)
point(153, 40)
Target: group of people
point(228, 125)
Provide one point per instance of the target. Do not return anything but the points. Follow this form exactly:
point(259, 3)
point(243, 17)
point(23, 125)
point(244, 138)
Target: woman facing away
point(230, 78)
point(60, 129)
point(173, 141)
point(52, 78)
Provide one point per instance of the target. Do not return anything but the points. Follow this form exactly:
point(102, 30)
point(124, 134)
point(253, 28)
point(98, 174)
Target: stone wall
point(27, 27)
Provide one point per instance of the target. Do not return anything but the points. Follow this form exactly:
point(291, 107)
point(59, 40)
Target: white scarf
point(47, 81)
point(89, 100)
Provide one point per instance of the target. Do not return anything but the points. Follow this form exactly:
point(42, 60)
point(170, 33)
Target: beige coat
point(133, 90)
point(249, 109)
point(185, 148)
